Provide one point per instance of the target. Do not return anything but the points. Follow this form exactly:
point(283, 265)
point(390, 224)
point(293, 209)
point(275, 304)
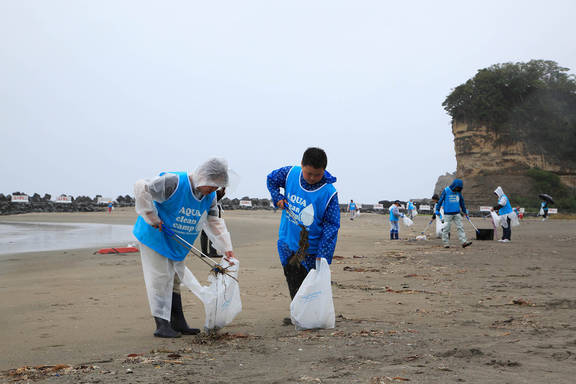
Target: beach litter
point(117, 250)
point(43, 371)
point(221, 298)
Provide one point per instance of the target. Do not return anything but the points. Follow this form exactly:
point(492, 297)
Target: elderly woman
point(185, 203)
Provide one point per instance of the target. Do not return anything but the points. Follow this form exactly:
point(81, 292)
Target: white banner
point(105, 200)
point(19, 199)
point(245, 203)
point(552, 210)
point(424, 207)
point(64, 199)
point(485, 209)
point(378, 206)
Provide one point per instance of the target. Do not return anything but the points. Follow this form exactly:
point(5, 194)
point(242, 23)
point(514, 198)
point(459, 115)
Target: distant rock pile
point(37, 203)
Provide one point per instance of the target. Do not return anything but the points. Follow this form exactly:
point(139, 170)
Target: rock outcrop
point(485, 161)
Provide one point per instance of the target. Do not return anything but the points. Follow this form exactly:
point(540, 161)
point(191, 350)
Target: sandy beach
point(406, 311)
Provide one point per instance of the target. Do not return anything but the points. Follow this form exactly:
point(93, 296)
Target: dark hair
point(435, 197)
point(315, 157)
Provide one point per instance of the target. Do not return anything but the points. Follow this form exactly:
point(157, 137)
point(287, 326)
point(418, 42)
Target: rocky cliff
point(485, 161)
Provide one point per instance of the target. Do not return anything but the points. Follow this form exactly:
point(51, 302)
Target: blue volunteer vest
point(183, 213)
point(352, 206)
point(393, 217)
point(451, 202)
point(410, 205)
point(315, 203)
point(507, 208)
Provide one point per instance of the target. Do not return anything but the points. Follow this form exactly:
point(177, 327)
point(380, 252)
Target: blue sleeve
point(462, 205)
point(276, 180)
point(441, 201)
point(330, 227)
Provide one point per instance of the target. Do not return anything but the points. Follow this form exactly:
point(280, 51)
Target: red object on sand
point(105, 251)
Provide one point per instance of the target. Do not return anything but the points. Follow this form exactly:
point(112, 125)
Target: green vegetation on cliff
point(533, 102)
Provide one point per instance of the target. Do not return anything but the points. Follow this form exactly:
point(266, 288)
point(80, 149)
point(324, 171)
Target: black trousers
point(507, 232)
point(206, 245)
point(295, 275)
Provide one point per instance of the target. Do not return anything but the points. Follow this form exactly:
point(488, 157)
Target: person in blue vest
point(185, 203)
point(395, 216)
point(410, 208)
point(505, 213)
point(352, 209)
point(309, 201)
point(544, 209)
point(434, 199)
point(452, 202)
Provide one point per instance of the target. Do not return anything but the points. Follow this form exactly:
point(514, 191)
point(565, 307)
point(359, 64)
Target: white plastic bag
point(514, 222)
point(221, 298)
point(312, 307)
point(439, 227)
point(541, 212)
point(495, 218)
point(407, 222)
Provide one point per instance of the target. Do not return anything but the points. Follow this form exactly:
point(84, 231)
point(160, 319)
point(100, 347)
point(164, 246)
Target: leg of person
point(446, 230)
point(159, 279)
point(213, 251)
point(391, 230)
point(204, 243)
point(507, 231)
point(177, 320)
point(295, 275)
point(396, 230)
point(461, 233)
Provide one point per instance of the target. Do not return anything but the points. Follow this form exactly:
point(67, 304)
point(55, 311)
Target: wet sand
point(405, 310)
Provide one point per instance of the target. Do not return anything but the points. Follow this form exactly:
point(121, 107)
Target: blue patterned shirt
point(330, 222)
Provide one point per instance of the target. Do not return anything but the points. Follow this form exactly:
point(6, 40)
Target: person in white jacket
point(505, 213)
point(185, 203)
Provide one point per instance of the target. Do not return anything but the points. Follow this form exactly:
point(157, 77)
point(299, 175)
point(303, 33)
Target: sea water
point(33, 237)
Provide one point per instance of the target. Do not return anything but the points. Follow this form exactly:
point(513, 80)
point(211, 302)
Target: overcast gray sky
point(97, 94)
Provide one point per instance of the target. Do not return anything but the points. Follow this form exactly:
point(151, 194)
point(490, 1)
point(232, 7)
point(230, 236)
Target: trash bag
point(221, 298)
point(514, 222)
point(439, 227)
point(407, 222)
point(312, 307)
point(541, 212)
point(495, 218)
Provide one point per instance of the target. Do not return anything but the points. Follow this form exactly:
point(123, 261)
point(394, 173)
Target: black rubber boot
point(177, 320)
point(163, 329)
point(391, 235)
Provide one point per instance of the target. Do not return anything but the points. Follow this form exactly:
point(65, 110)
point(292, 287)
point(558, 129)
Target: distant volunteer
point(506, 213)
point(352, 209)
point(544, 209)
point(410, 210)
point(439, 223)
point(185, 203)
point(395, 216)
point(452, 202)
